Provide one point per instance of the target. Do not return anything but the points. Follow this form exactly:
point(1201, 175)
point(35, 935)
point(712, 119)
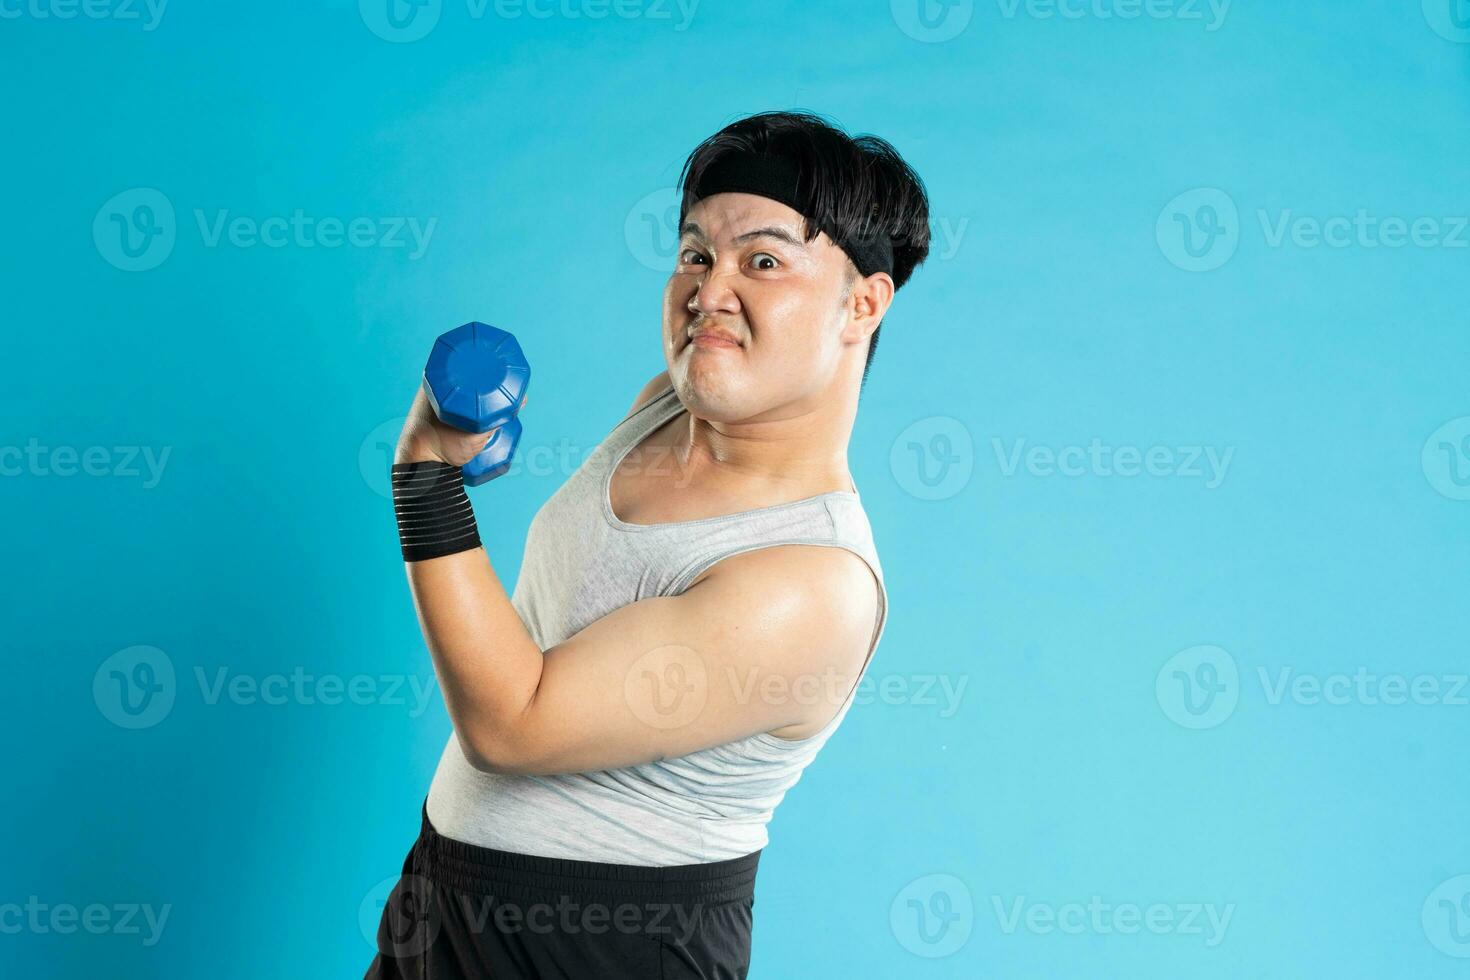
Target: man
point(683, 637)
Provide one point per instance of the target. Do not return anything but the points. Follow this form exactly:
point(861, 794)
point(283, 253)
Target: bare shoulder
point(823, 603)
point(827, 572)
point(827, 592)
point(658, 384)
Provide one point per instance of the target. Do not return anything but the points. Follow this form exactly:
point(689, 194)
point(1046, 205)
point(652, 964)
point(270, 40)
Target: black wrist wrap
point(434, 514)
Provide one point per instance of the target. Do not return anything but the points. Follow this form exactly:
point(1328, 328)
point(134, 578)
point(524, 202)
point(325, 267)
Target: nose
point(713, 295)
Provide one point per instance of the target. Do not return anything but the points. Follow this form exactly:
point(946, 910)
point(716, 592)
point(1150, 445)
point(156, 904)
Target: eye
point(684, 256)
point(766, 255)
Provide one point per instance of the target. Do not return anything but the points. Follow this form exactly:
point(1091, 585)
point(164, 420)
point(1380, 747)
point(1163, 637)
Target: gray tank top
point(581, 563)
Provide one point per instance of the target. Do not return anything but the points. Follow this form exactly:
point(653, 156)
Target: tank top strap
point(644, 419)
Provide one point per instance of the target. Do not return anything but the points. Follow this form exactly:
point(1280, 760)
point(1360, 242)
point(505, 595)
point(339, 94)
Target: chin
point(711, 393)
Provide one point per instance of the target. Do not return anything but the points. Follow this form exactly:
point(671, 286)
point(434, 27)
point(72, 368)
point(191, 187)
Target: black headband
point(777, 178)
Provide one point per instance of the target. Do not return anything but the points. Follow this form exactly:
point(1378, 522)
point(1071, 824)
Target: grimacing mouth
point(700, 326)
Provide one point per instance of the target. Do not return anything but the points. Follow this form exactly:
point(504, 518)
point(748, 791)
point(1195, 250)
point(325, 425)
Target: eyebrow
point(780, 234)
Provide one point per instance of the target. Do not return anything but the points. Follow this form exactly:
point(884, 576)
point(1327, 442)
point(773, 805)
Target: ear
point(867, 303)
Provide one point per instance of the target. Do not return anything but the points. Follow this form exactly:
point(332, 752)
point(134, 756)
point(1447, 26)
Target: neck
point(804, 448)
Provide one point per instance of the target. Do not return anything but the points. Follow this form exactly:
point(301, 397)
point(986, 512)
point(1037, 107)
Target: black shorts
point(459, 910)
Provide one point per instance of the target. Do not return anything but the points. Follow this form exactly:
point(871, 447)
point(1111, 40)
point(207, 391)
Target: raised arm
point(769, 639)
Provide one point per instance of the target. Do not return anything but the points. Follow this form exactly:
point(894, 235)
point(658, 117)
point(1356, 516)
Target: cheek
point(790, 323)
point(677, 295)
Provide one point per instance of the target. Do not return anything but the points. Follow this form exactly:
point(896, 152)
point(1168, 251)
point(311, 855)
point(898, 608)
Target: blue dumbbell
point(475, 379)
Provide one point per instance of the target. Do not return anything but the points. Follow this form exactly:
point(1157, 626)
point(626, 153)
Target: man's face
point(744, 273)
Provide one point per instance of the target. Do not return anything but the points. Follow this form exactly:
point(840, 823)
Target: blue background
point(543, 147)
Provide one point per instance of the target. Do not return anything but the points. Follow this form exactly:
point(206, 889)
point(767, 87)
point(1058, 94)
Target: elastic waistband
point(485, 870)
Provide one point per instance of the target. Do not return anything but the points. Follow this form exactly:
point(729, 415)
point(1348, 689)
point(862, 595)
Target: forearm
point(487, 664)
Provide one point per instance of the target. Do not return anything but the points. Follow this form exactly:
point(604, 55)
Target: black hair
point(859, 185)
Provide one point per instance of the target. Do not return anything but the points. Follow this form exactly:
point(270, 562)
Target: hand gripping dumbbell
point(475, 380)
